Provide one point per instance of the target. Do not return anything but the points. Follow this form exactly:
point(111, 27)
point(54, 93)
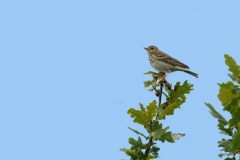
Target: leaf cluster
point(229, 96)
point(174, 97)
point(149, 117)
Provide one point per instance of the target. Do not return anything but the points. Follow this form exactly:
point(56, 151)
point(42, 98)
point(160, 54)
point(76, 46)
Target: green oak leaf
point(139, 117)
point(154, 150)
point(233, 105)
point(124, 149)
point(238, 125)
point(167, 136)
point(225, 93)
point(127, 151)
point(224, 143)
point(137, 132)
point(233, 158)
point(233, 67)
point(236, 90)
point(221, 155)
point(151, 72)
point(170, 109)
point(236, 142)
point(157, 131)
point(136, 144)
point(178, 94)
point(142, 107)
point(135, 154)
point(235, 119)
point(151, 110)
point(234, 79)
point(147, 83)
point(217, 115)
point(226, 131)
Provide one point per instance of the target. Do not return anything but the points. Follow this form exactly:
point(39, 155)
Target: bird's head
point(152, 49)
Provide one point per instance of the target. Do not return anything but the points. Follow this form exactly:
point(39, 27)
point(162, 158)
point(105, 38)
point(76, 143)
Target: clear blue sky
point(70, 70)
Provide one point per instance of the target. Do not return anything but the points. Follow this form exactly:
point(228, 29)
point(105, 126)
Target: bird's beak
point(145, 48)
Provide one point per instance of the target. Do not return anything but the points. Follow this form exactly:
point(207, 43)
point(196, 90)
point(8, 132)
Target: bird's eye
point(152, 48)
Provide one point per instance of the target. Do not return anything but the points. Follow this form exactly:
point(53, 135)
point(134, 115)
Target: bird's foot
point(161, 79)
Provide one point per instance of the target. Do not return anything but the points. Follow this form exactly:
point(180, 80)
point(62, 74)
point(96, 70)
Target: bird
point(162, 62)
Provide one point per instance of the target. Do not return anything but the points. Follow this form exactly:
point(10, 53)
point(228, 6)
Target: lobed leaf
point(142, 107)
point(157, 131)
point(236, 142)
point(147, 83)
point(151, 110)
point(235, 119)
point(135, 154)
point(167, 136)
point(217, 115)
point(168, 110)
point(226, 131)
point(139, 117)
point(178, 94)
point(225, 93)
point(136, 144)
point(234, 79)
point(233, 106)
point(224, 143)
point(233, 67)
point(154, 150)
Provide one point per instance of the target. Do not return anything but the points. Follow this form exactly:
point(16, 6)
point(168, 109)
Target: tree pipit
point(162, 62)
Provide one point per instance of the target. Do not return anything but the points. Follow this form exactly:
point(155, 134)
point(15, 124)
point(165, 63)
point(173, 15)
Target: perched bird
point(162, 62)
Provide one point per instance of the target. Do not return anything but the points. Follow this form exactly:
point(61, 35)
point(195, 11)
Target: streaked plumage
point(162, 62)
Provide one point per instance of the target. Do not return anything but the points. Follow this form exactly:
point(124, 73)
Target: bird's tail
point(192, 73)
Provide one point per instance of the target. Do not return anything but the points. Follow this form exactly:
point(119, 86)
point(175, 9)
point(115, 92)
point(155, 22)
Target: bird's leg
point(161, 77)
point(164, 77)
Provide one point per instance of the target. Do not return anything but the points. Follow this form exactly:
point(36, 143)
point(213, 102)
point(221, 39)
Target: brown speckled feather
point(168, 59)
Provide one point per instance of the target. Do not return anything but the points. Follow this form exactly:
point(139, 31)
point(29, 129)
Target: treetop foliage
point(229, 96)
point(149, 117)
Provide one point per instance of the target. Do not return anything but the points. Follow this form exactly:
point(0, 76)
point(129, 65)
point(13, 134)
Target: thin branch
point(160, 99)
point(149, 147)
point(151, 137)
point(160, 95)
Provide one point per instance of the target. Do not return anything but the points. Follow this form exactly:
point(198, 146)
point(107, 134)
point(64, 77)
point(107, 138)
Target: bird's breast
point(161, 66)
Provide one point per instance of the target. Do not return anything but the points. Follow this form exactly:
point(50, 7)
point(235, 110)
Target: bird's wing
point(168, 59)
